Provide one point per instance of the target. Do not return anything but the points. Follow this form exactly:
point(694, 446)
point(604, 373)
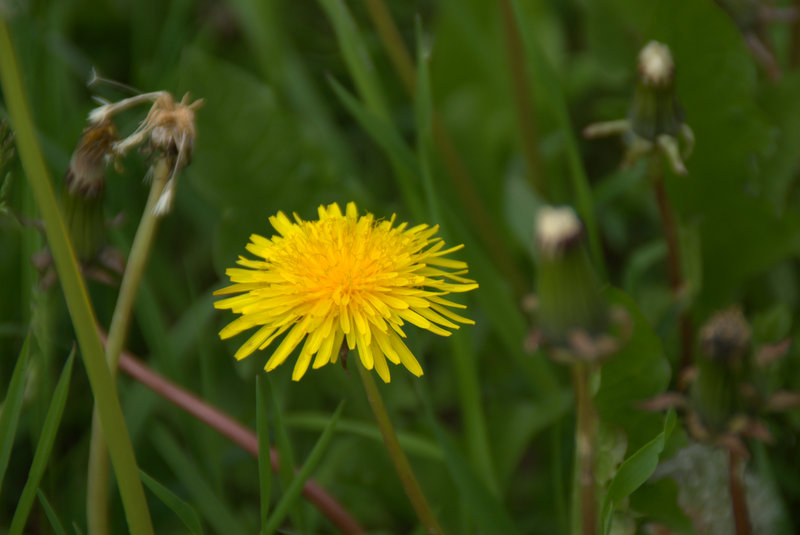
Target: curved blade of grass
point(635, 471)
point(293, 491)
point(80, 309)
point(264, 462)
point(42, 454)
point(185, 512)
point(58, 528)
point(12, 406)
point(221, 518)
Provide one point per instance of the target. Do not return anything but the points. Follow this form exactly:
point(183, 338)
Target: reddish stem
point(736, 486)
point(236, 433)
point(674, 271)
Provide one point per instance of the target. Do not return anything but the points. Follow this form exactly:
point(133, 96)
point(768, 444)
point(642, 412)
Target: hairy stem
point(97, 508)
point(399, 459)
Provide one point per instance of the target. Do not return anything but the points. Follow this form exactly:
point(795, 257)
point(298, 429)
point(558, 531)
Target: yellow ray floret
point(343, 279)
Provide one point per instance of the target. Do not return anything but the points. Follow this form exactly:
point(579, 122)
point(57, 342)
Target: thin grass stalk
point(674, 269)
point(236, 433)
point(741, 517)
point(522, 91)
point(461, 180)
point(97, 507)
point(585, 448)
point(794, 54)
point(80, 309)
point(398, 456)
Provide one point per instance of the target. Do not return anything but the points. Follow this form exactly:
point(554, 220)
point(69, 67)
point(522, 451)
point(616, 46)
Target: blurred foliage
point(275, 134)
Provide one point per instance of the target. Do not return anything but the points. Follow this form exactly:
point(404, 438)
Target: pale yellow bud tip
point(655, 63)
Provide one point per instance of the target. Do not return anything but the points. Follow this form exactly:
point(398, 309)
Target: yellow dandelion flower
point(343, 278)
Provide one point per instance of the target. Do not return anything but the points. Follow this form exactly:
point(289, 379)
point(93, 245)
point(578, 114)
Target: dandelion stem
point(399, 459)
point(674, 270)
point(584, 447)
point(741, 517)
point(97, 482)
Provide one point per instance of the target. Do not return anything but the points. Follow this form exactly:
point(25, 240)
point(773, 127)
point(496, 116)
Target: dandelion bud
point(567, 286)
point(724, 344)
point(655, 110)
point(84, 189)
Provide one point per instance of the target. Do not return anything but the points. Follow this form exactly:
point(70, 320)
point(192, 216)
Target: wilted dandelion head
point(343, 278)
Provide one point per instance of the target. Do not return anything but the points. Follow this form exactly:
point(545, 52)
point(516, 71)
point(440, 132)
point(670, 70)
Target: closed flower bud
point(568, 290)
point(655, 109)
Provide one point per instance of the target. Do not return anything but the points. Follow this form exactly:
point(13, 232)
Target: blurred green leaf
point(659, 501)
point(635, 471)
point(639, 371)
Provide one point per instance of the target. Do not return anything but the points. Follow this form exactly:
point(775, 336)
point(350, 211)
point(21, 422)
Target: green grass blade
point(185, 512)
point(58, 528)
point(221, 518)
point(293, 491)
point(80, 309)
point(264, 462)
point(43, 449)
point(285, 453)
point(12, 406)
point(356, 56)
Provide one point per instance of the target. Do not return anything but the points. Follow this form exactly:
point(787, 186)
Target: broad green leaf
point(635, 471)
point(43, 448)
point(638, 372)
point(12, 406)
point(659, 501)
point(293, 491)
point(185, 512)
